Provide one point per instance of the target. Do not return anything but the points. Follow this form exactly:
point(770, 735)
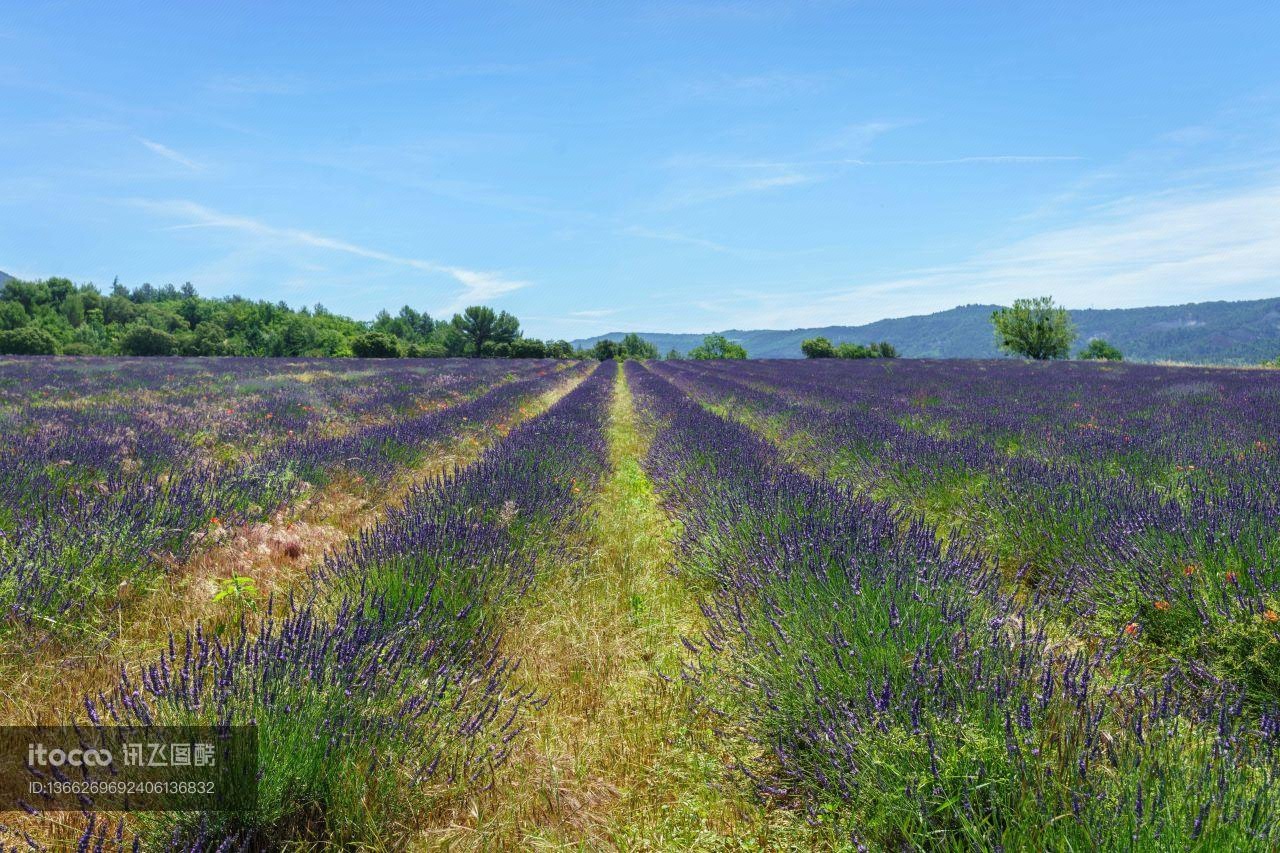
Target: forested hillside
point(1204, 332)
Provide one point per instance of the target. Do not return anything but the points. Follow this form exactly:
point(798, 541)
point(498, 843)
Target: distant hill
point(1206, 332)
point(4, 276)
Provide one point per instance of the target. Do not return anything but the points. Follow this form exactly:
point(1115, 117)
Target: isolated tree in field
point(1100, 350)
point(818, 348)
point(1034, 328)
point(717, 346)
point(673, 354)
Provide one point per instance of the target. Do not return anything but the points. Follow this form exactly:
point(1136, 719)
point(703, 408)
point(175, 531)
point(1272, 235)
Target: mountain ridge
point(1240, 332)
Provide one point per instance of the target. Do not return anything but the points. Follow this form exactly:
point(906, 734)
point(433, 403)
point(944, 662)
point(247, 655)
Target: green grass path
point(616, 759)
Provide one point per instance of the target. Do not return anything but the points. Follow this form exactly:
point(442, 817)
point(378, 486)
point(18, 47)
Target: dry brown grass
point(616, 759)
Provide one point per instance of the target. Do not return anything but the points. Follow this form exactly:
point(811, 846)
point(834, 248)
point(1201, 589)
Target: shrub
point(141, 339)
point(818, 348)
point(528, 348)
point(427, 351)
point(27, 340)
point(1100, 350)
point(375, 345)
point(207, 339)
point(12, 315)
point(883, 349)
point(717, 346)
point(634, 346)
point(604, 350)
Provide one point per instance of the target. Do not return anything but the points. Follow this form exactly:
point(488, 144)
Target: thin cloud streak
point(169, 154)
point(675, 237)
point(739, 188)
point(941, 161)
point(477, 286)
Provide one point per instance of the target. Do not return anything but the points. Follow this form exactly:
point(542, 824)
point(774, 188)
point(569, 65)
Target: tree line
point(823, 348)
point(56, 316)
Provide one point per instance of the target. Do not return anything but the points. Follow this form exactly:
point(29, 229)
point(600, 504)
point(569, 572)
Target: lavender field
point(512, 604)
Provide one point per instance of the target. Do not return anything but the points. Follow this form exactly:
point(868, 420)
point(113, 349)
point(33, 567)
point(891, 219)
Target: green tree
point(13, 316)
point(886, 350)
point(141, 339)
point(83, 320)
point(29, 294)
point(73, 310)
point(27, 340)
point(882, 349)
point(717, 346)
point(559, 349)
point(673, 354)
point(604, 349)
point(429, 350)
point(207, 339)
point(634, 346)
point(1099, 350)
point(480, 324)
point(375, 345)
point(506, 328)
point(527, 348)
point(1034, 328)
point(851, 350)
point(818, 348)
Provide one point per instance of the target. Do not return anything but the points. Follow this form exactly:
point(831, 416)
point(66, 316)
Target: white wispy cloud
point(595, 312)
point(744, 186)
point(702, 178)
point(169, 154)
point(676, 237)
point(1166, 248)
point(939, 161)
point(477, 285)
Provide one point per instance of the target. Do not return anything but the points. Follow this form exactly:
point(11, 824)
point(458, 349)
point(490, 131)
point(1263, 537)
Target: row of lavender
point(386, 689)
point(131, 465)
point(892, 686)
point(1189, 569)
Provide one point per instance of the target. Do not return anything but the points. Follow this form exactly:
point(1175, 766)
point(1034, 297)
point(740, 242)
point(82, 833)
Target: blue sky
point(656, 166)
